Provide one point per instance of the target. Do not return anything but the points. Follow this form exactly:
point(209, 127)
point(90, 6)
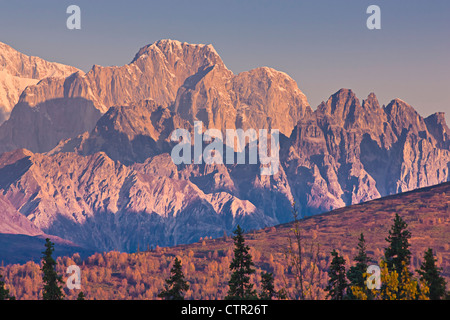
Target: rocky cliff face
point(41, 127)
point(111, 183)
point(437, 126)
point(349, 152)
point(156, 73)
point(189, 79)
point(17, 71)
point(193, 81)
point(128, 134)
point(97, 202)
point(260, 98)
point(13, 222)
point(38, 126)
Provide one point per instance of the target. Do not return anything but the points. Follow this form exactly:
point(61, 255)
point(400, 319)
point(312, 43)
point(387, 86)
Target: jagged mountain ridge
point(190, 79)
point(339, 155)
point(344, 152)
point(357, 152)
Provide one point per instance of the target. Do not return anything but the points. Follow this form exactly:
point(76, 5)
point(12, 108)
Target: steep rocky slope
point(17, 71)
point(260, 98)
point(128, 134)
point(41, 127)
point(13, 222)
point(105, 205)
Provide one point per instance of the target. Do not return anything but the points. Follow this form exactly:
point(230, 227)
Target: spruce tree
point(81, 296)
point(355, 274)
point(4, 293)
point(431, 275)
point(176, 285)
point(397, 251)
point(267, 287)
point(51, 280)
point(337, 283)
point(242, 268)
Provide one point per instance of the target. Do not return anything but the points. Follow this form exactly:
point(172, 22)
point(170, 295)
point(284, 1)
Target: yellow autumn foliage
point(405, 287)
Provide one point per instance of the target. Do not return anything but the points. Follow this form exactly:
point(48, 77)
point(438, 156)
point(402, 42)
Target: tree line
point(397, 281)
point(52, 289)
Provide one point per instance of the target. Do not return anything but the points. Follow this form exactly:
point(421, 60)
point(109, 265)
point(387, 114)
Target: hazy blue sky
point(323, 45)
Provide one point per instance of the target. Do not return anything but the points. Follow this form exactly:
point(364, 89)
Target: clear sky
point(323, 44)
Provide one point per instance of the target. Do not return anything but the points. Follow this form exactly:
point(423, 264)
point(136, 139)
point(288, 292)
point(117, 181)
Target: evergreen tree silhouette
point(81, 296)
point(337, 283)
point(267, 287)
point(241, 267)
point(431, 274)
point(4, 293)
point(175, 285)
point(52, 291)
point(397, 251)
point(355, 274)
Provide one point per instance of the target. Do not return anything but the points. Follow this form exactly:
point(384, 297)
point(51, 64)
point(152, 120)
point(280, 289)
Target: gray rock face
point(111, 184)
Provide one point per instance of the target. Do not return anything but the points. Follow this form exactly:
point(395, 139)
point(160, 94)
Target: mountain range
point(86, 156)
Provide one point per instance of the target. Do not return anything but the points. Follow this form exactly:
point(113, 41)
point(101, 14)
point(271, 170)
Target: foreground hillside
point(140, 275)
